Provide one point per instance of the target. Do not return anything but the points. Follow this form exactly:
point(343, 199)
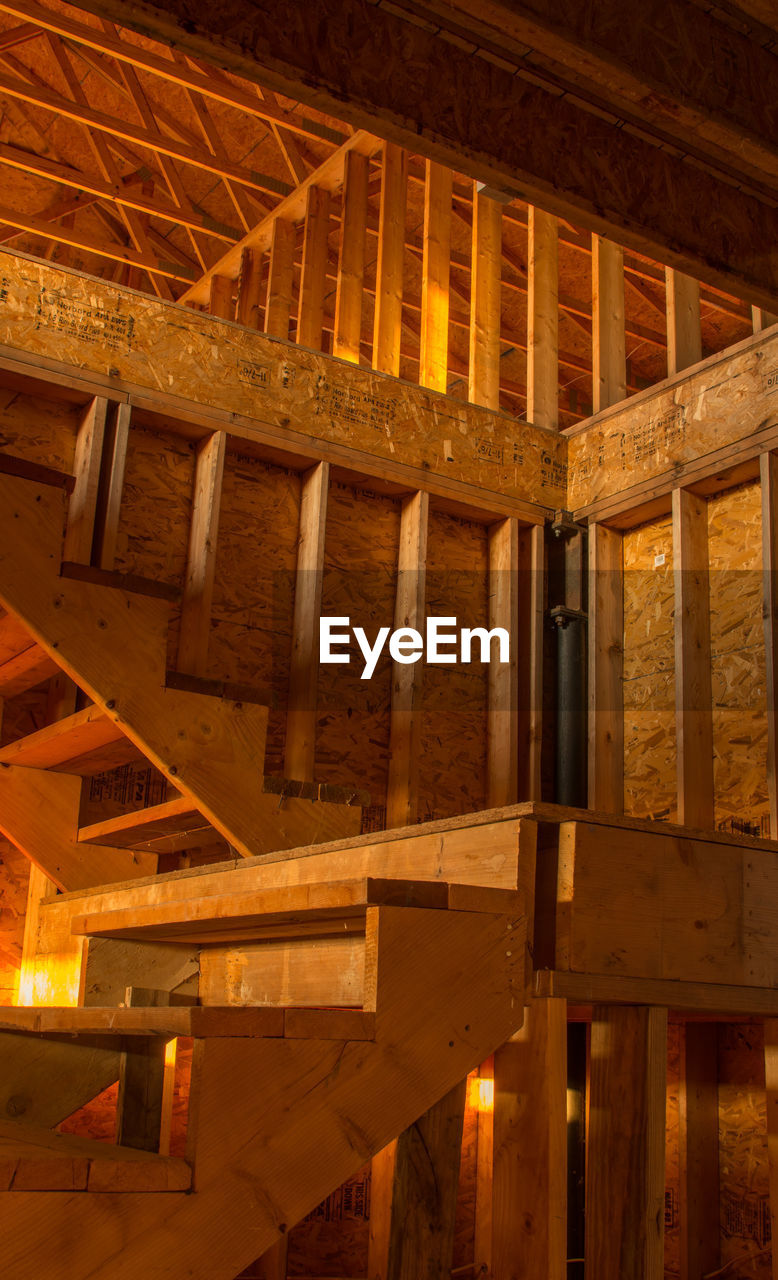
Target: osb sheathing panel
point(744, 1206)
point(119, 333)
point(724, 400)
point(40, 430)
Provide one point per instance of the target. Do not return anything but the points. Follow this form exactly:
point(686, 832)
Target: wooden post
point(762, 319)
point(502, 720)
point(542, 319)
point(484, 1176)
point(530, 659)
point(141, 1082)
point(435, 277)
point(771, 1089)
point(606, 669)
point(82, 509)
point(111, 486)
point(39, 887)
point(693, 696)
point(530, 1148)
point(609, 357)
point(769, 476)
point(699, 1151)
point(414, 1196)
point(351, 267)
point(201, 556)
point(625, 1173)
point(250, 289)
point(404, 722)
point(300, 750)
point(313, 281)
point(221, 304)
point(684, 335)
point(280, 277)
point(391, 251)
point(484, 381)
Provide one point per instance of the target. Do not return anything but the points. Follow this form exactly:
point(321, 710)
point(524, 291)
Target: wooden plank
point(705, 999)
point(11, 466)
point(201, 555)
point(32, 1159)
point(625, 1144)
point(347, 334)
point(174, 824)
point(313, 279)
point(530, 1115)
point(609, 384)
point(606, 669)
point(109, 498)
point(280, 279)
point(484, 362)
point(43, 1082)
point(435, 277)
point(25, 669)
point(85, 743)
point(166, 1023)
point(769, 481)
point(693, 695)
point(80, 529)
point(325, 971)
point(699, 1151)
point(220, 302)
point(771, 1089)
point(131, 582)
point(300, 750)
point(141, 1081)
point(389, 271)
point(405, 715)
point(503, 696)
point(684, 334)
point(484, 1172)
point(273, 1263)
point(529, 642)
point(250, 289)
point(111, 965)
point(762, 319)
point(542, 319)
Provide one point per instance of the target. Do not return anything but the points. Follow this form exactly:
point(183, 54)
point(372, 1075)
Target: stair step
point(11, 466)
point(23, 663)
point(206, 1022)
point(85, 743)
point(169, 827)
point(131, 582)
point(36, 1159)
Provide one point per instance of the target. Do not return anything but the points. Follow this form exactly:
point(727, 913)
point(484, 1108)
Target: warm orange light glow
point(481, 1093)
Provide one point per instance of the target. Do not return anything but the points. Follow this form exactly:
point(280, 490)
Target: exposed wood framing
point(769, 478)
point(82, 510)
point(484, 381)
point(313, 279)
point(201, 555)
point(351, 266)
point(109, 498)
point(280, 279)
point(389, 271)
point(299, 758)
point(699, 1151)
point(503, 709)
point(405, 717)
point(684, 336)
point(693, 695)
point(606, 662)
point(609, 383)
point(220, 302)
point(250, 302)
point(542, 319)
point(531, 605)
point(435, 278)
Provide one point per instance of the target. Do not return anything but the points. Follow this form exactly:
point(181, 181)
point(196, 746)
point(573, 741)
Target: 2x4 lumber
point(625, 1174)
point(484, 359)
point(24, 669)
point(706, 999)
point(250, 289)
point(503, 687)
point(201, 555)
point(109, 495)
point(351, 263)
point(82, 509)
point(609, 358)
point(170, 826)
point(531, 606)
point(280, 279)
point(768, 464)
point(141, 1083)
point(86, 742)
point(699, 1151)
point(389, 270)
point(38, 887)
point(435, 277)
point(761, 319)
point(684, 334)
point(33, 1159)
point(693, 693)
point(606, 669)
point(542, 319)
point(402, 791)
point(220, 298)
point(530, 1116)
point(300, 749)
point(165, 1022)
point(313, 278)
point(771, 1090)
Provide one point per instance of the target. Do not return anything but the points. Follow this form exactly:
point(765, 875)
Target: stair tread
point(240, 1022)
point(178, 822)
point(83, 743)
point(23, 662)
point(36, 1159)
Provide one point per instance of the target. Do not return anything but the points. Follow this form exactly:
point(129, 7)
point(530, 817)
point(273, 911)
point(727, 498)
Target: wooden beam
point(273, 1263)
point(435, 277)
point(220, 302)
point(250, 289)
point(684, 335)
point(606, 669)
point(484, 1171)
point(313, 280)
point(405, 716)
point(542, 319)
point(625, 1176)
point(484, 380)
point(771, 1089)
point(201, 556)
point(693, 694)
point(351, 266)
point(39, 886)
point(503, 696)
point(609, 376)
point(300, 751)
point(531, 587)
point(109, 497)
point(280, 279)
point(761, 319)
point(389, 271)
point(768, 464)
point(80, 529)
point(699, 1151)
point(141, 1081)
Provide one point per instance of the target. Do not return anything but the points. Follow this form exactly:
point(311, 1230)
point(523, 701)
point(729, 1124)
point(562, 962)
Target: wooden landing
point(37, 1159)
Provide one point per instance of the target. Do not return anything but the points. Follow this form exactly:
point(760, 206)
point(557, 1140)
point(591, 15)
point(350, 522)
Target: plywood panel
point(39, 430)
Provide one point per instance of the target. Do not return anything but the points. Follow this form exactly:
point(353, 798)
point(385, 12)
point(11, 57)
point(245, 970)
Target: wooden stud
point(220, 303)
point(625, 1174)
point(693, 694)
point(606, 669)
point(530, 1116)
point(542, 319)
point(109, 498)
point(300, 753)
point(484, 379)
point(530, 659)
point(280, 277)
point(141, 1081)
point(80, 528)
point(405, 717)
point(389, 271)
point(435, 277)
point(699, 1151)
point(684, 335)
point(771, 1090)
point(484, 1174)
point(502, 715)
point(250, 289)
point(201, 557)
point(768, 463)
point(761, 319)
point(347, 335)
point(313, 281)
point(609, 360)
point(39, 887)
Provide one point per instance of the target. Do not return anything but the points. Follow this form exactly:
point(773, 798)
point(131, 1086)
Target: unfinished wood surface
point(769, 478)
point(625, 1144)
point(160, 828)
point(530, 1147)
point(313, 278)
point(25, 667)
point(389, 269)
point(300, 751)
point(109, 497)
point(280, 279)
point(347, 336)
point(606, 669)
point(435, 277)
point(693, 693)
point(42, 1082)
point(484, 361)
point(483, 1235)
point(503, 714)
point(402, 789)
point(86, 742)
point(705, 1000)
point(529, 645)
point(273, 1263)
point(609, 383)
point(220, 302)
point(699, 1151)
point(32, 1159)
point(166, 1023)
point(762, 319)
point(250, 298)
point(684, 334)
point(542, 319)
point(141, 1082)
point(771, 1089)
point(82, 508)
point(197, 598)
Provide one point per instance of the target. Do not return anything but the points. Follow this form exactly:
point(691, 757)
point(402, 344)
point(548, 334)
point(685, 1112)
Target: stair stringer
point(277, 1124)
